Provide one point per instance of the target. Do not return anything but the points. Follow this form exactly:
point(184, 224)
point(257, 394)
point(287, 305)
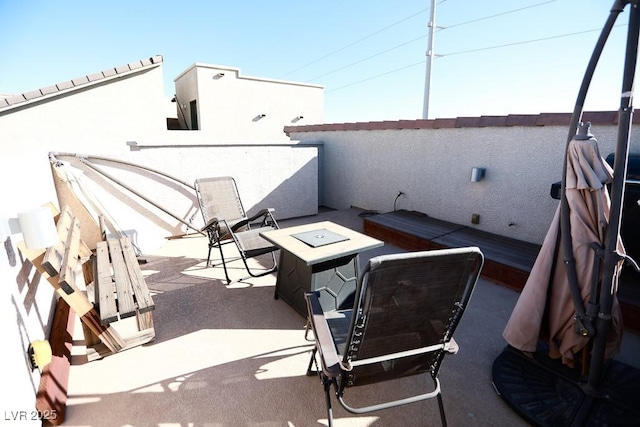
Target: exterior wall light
point(477, 174)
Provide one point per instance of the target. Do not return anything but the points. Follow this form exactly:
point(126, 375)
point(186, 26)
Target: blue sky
point(498, 57)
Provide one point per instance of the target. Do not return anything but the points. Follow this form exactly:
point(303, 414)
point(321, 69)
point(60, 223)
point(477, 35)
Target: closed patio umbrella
point(569, 302)
point(545, 310)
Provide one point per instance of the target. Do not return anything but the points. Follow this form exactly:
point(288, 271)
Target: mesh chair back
point(405, 303)
point(218, 198)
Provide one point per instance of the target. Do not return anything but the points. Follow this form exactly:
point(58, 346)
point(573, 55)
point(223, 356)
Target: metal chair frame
point(342, 371)
point(241, 230)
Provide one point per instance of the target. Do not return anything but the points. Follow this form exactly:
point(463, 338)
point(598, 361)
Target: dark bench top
point(514, 253)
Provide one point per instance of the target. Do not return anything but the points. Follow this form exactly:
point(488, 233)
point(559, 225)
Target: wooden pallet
point(120, 291)
point(61, 265)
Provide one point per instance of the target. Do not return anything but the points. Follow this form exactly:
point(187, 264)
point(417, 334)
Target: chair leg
point(265, 272)
point(307, 329)
point(208, 256)
point(311, 362)
point(224, 264)
point(326, 382)
point(441, 406)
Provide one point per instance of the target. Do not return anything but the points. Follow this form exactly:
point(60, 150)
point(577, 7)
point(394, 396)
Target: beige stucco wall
point(230, 105)
point(432, 167)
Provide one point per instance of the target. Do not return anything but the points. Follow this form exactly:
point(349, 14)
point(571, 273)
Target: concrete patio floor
point(232, 355)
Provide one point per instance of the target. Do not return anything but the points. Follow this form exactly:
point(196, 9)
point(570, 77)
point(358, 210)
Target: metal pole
point(565, 224)
point(85, 161)
point(611, 257)
point(430, 55)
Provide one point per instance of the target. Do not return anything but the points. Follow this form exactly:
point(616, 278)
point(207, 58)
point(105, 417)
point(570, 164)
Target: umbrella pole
point(584, 323)
point(611, 257)
point(537, 388)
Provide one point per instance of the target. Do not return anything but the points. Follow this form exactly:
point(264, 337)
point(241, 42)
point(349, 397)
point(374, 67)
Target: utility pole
point(430, 56)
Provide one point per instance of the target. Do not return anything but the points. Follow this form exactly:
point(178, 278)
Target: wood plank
point(69, 267)
point(126, 304)
point(53, 256)
point(144, 320)
point(104, 288)
point(78, 301)
point(108, 335)
point(140, 289)
point(511, 252)
point(141, 337)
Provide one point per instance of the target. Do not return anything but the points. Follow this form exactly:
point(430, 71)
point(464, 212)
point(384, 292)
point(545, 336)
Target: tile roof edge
point(511, 120)
point(66, 86)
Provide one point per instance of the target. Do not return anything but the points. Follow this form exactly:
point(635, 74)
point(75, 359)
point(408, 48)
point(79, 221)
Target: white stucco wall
point(230, 105)
point(101, 119)
point(280, 176)
point(98, 120)
point(432, 167)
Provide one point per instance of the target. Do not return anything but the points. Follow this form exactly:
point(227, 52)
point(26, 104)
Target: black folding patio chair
point(226, 221)
point(407, 307)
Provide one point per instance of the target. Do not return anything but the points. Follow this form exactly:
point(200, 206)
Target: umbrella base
point(547, 393)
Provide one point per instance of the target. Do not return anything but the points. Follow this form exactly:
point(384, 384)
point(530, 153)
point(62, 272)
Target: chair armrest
point(322, 333)
point(263, 213)
point(211, 223)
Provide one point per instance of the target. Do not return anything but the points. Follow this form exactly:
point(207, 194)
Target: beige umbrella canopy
point(545, 310)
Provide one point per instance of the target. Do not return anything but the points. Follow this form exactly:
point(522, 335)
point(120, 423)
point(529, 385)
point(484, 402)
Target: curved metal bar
point(611, 256)
point(565, 225)
point(108, 159)
point(391, 404)
point(86, 162)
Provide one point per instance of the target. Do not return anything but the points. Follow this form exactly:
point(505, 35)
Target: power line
point(496, 15)
point(367, 58)
point(400, 45)
point(407, 42)
point(354, 43)
point(526, 41)
point(470, 51)
point(376, 76)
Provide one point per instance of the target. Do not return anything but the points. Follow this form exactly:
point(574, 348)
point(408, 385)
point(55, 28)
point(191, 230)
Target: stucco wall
point(186, 91)
point(98, 120)
point(230, 105)
point(154, 207)
point(432, 167)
